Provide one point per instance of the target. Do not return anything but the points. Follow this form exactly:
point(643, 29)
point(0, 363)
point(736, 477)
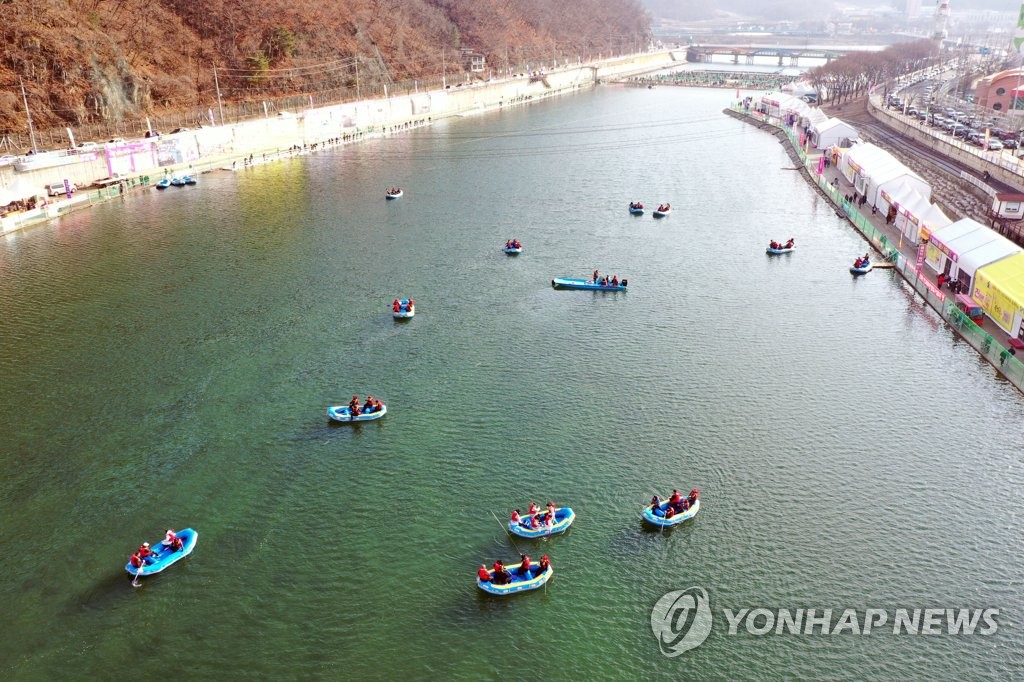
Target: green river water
point(167, 362)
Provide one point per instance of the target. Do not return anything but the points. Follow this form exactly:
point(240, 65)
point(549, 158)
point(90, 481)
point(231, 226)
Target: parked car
point(995, 145)
point(8, 159)
point(1010, 144)
point(55, 189)
point(152, 133)
point(179, 130)
point(87, 147)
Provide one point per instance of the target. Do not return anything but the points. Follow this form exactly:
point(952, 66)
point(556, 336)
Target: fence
point(983, 342)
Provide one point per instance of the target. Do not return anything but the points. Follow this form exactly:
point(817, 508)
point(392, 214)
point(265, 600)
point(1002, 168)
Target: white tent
point(832, 131)
point(969, 261)
point(870, 168)
point(933, 219)
point(937, 254)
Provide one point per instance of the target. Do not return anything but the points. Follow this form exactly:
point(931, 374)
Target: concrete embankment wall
point(141, 162)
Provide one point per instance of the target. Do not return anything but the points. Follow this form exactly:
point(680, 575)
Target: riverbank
point(135, 165)
point(888, 242)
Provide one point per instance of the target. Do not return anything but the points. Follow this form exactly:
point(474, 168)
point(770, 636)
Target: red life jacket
point(145, 552)
point(483, 574)
point(526, 564)
point(136, 561)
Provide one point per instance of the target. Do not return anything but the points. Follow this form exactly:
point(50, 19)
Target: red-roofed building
point(1003, 91)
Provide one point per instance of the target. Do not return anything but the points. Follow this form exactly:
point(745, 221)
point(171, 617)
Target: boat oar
point(135, 580)
point(508, 532)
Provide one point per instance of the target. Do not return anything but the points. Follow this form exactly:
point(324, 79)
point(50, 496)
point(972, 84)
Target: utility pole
point(28, 114)
point(357, 78)
point(220, 105)
point(444, 71)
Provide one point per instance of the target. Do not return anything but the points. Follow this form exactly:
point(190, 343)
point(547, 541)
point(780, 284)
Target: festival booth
point(831, 131)
point(870, 168)
point(947, 243)
point(999, 288)
point(779, 105)
point(970, 260)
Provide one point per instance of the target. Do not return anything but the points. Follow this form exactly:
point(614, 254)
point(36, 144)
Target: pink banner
point(821, 164)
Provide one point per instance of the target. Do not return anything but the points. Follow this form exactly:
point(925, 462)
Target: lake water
point(168, 363)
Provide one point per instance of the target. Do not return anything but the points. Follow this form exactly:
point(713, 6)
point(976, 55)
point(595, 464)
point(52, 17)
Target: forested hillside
point(101, 60)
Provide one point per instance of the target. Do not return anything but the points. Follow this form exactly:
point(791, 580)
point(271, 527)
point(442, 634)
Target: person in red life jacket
point(694, 496)
point(524, 568)
point(168, 541)
point(533, 508)
point(146, 553)
point(684, 504)
point(595, 276)
point(409, 307)
point(498, 566)
point(508, 244)
point(515, 517)
point(534, 522)
point(354, 403)
point(549, 520)
point(136, 561)
point(368, 405)
point(396, 306)
point(482, 574)
point(670, 511)
point(675, 497)
point(615, 280)
point(544, 564)
point(378, 405)
point(177, 545)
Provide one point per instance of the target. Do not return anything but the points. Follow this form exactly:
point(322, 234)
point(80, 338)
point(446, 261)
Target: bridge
point(705, 53)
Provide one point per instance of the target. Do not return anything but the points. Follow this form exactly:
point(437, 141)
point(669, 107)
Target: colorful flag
point(821, 164)
point(1018, 35)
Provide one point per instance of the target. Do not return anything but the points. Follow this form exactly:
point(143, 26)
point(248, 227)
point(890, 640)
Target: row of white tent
point(886, 182)
point(824, 131)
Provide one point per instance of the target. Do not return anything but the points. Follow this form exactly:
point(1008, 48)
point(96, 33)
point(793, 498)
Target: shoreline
point(135, 165)
point(1002, 359)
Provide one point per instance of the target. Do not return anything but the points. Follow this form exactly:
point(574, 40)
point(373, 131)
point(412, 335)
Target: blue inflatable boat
point(519, 583)
point(512, 250)
point(177, 182)
point(405, 311)
point(636, 210)
point(394, 195)
point(165, 557)
point(189, 180)
point(163, 184)
point(564, 516)
point(864, 269)
point(656, 517)
point(341, 413)
point(576, 283)
point(776, 252)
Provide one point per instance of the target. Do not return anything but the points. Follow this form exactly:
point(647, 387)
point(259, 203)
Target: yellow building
point(999, 288)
